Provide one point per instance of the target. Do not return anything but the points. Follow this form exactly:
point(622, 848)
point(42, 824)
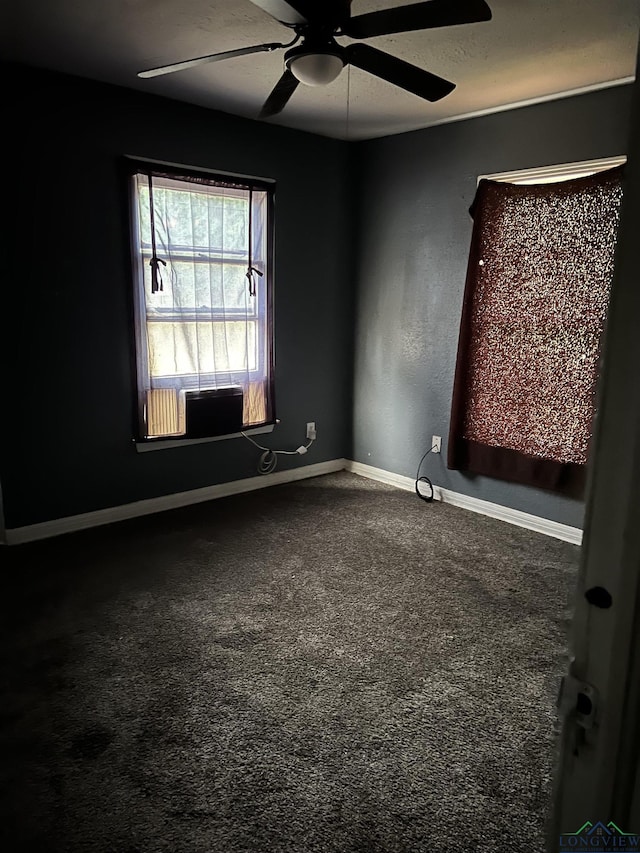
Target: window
point(203, 302)
point(540, 269)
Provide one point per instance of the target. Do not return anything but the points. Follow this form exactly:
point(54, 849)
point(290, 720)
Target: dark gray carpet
point(330, 666)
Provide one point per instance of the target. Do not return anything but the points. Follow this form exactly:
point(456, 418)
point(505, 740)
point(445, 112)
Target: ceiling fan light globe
point(316, 69)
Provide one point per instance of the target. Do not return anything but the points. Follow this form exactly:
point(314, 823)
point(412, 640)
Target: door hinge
point(578, 699)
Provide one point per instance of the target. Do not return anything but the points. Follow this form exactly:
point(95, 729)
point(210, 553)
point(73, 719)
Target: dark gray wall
point(67, 439)
point(66, 444)
point(413, 240)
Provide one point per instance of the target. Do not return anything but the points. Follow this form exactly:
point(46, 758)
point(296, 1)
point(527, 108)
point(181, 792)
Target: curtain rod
point(556, 172)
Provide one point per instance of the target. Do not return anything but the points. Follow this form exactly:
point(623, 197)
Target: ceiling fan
point(318, 59)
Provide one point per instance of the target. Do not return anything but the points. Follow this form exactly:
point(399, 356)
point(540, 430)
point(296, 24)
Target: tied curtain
point(534, 310)
point(202, 297)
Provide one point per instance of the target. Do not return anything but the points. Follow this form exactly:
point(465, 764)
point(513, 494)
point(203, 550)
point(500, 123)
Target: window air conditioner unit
point(215, 412)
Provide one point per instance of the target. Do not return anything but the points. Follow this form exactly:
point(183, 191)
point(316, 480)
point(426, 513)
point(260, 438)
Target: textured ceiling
point(531, 49)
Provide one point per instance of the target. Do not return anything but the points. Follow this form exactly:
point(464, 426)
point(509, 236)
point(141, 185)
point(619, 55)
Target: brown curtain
point(534, 310)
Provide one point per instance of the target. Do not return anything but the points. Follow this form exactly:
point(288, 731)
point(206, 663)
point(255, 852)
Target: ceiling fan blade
point(331, 13)
point(417, 16)
point(282, 91)
point(289, 12)
point(397, 71)
point(212, 57)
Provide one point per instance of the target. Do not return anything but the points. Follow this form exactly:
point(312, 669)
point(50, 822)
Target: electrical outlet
point(436, 443)
point(311, 430)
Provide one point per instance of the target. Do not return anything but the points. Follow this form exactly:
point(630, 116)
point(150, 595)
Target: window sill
point(145, 446)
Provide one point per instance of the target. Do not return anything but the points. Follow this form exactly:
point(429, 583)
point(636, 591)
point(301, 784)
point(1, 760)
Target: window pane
point(196, 219)
point(189, 286)
point(207, 347)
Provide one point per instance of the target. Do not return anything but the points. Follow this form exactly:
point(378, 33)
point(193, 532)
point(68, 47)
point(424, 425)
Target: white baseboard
point(69, 524)
point(381, 475)
point(503, 513)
